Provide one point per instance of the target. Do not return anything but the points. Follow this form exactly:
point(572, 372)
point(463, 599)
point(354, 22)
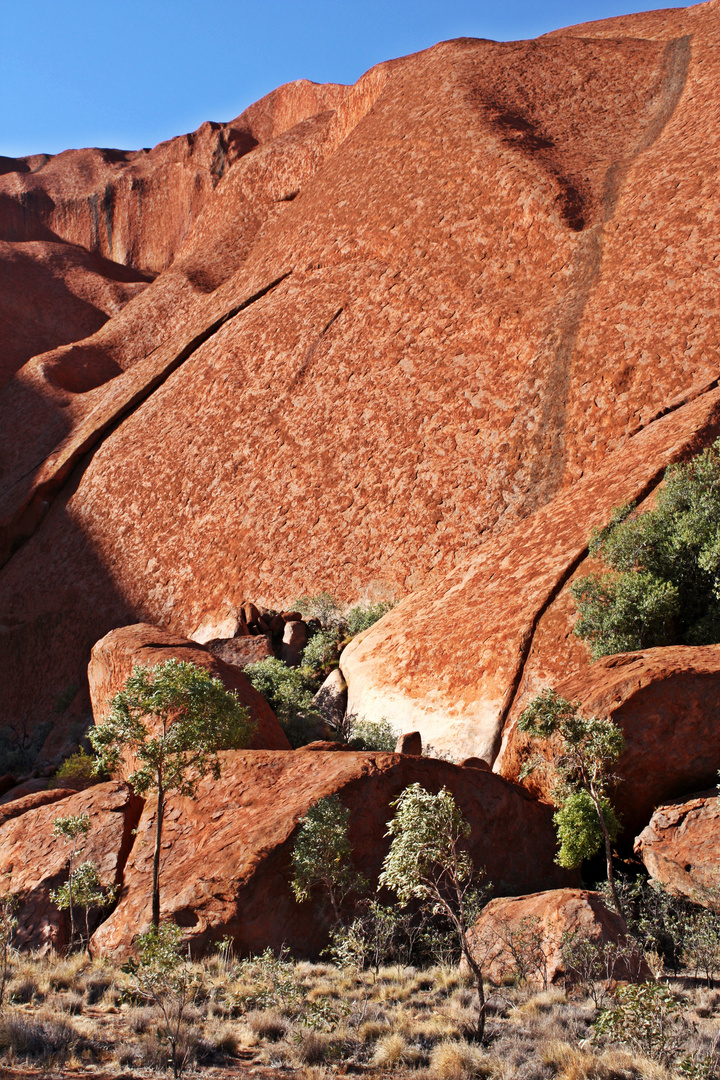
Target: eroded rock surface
point(113, 658)
point(33, 861)
point(226, 865)
point(489, 269)
point(681, 849)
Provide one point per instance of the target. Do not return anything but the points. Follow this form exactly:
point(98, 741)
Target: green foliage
point(66, 697)
point(584, 750)
point(84, 889)
point(165, 978)
point(289, 692)
point(579, 830)
point(322, 651)
point(646, 1017)
point(322, 856)
point(663, 584)
point(195, 716)
point(276, 985)
point(363, 616)
point(323, 606)
point(79, 770)
point(701, 943)
point(428, 858)
point(369, 735)
point(429, 862)
point(72, 826)
point(592, 965)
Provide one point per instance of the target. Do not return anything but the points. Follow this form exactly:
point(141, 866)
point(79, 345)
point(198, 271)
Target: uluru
point(396, 346)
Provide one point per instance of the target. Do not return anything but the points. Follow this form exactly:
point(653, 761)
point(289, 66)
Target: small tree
point(8, 925)
point(428, 861)
point(322, 856)
point(194, 718)
point(73, 828)
point(588, 748)
point(85, 889)
point(164, 978)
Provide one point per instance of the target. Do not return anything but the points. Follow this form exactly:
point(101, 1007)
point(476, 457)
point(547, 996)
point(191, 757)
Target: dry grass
point(78, 1014)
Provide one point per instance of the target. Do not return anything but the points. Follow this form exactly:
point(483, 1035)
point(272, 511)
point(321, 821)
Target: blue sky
point(128, 73)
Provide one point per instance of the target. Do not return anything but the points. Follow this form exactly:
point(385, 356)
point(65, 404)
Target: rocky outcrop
point(52, 294)
point(33, 861)
point(665, 701)
point(226, 865)
point(488, 268)
point(331, 699)
point(527, 934)
point(460, 658)
point(241, 651)
point(681, 850)
point(113, 658)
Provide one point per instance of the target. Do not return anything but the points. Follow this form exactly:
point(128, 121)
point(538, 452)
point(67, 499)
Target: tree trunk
point(608, 856)
point(477, 972)
point(156, 857)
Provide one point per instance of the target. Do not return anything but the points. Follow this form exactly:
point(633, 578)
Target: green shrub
point(78, 771)
point(646, 1017)
point(362, 616)
point(368, 735)
point(322, 651)
point(323, 606)
point(289, 692)
point(663, 582)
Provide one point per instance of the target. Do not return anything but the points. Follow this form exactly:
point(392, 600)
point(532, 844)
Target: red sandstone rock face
point(680, 847)
point(550, 915)
point(20, 803)
point(226, 856)
point(135, 207)
point(415, 314)
point(113, 658)
point(665, 701)
point(51, 294)
point(32, 861)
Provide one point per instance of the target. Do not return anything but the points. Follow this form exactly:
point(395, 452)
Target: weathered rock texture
point(681, 849)
point(666, 702)
point(419, 311)
point(226, 865)
point(113, 658)
point(33, 861)
point(532, 928)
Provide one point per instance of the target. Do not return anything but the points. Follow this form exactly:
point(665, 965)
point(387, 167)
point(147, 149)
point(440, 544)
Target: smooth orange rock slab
point(114, 656)
point(226, 861)
point(33, 861)
point(547, 917)
point(458, 658)
point(681, 847)
point(665, 701)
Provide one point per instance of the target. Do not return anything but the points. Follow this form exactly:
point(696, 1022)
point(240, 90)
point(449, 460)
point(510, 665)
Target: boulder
point(331, 699)
point(681, 847)
point(294, 640)
point(114, 656)
point(410, 743)
point(239, 652)
point(32, 801)
point(33, 861)
point(226, 858)
point(534, 926)
point(219, 627)
point(27, 787)
point(665, 701)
